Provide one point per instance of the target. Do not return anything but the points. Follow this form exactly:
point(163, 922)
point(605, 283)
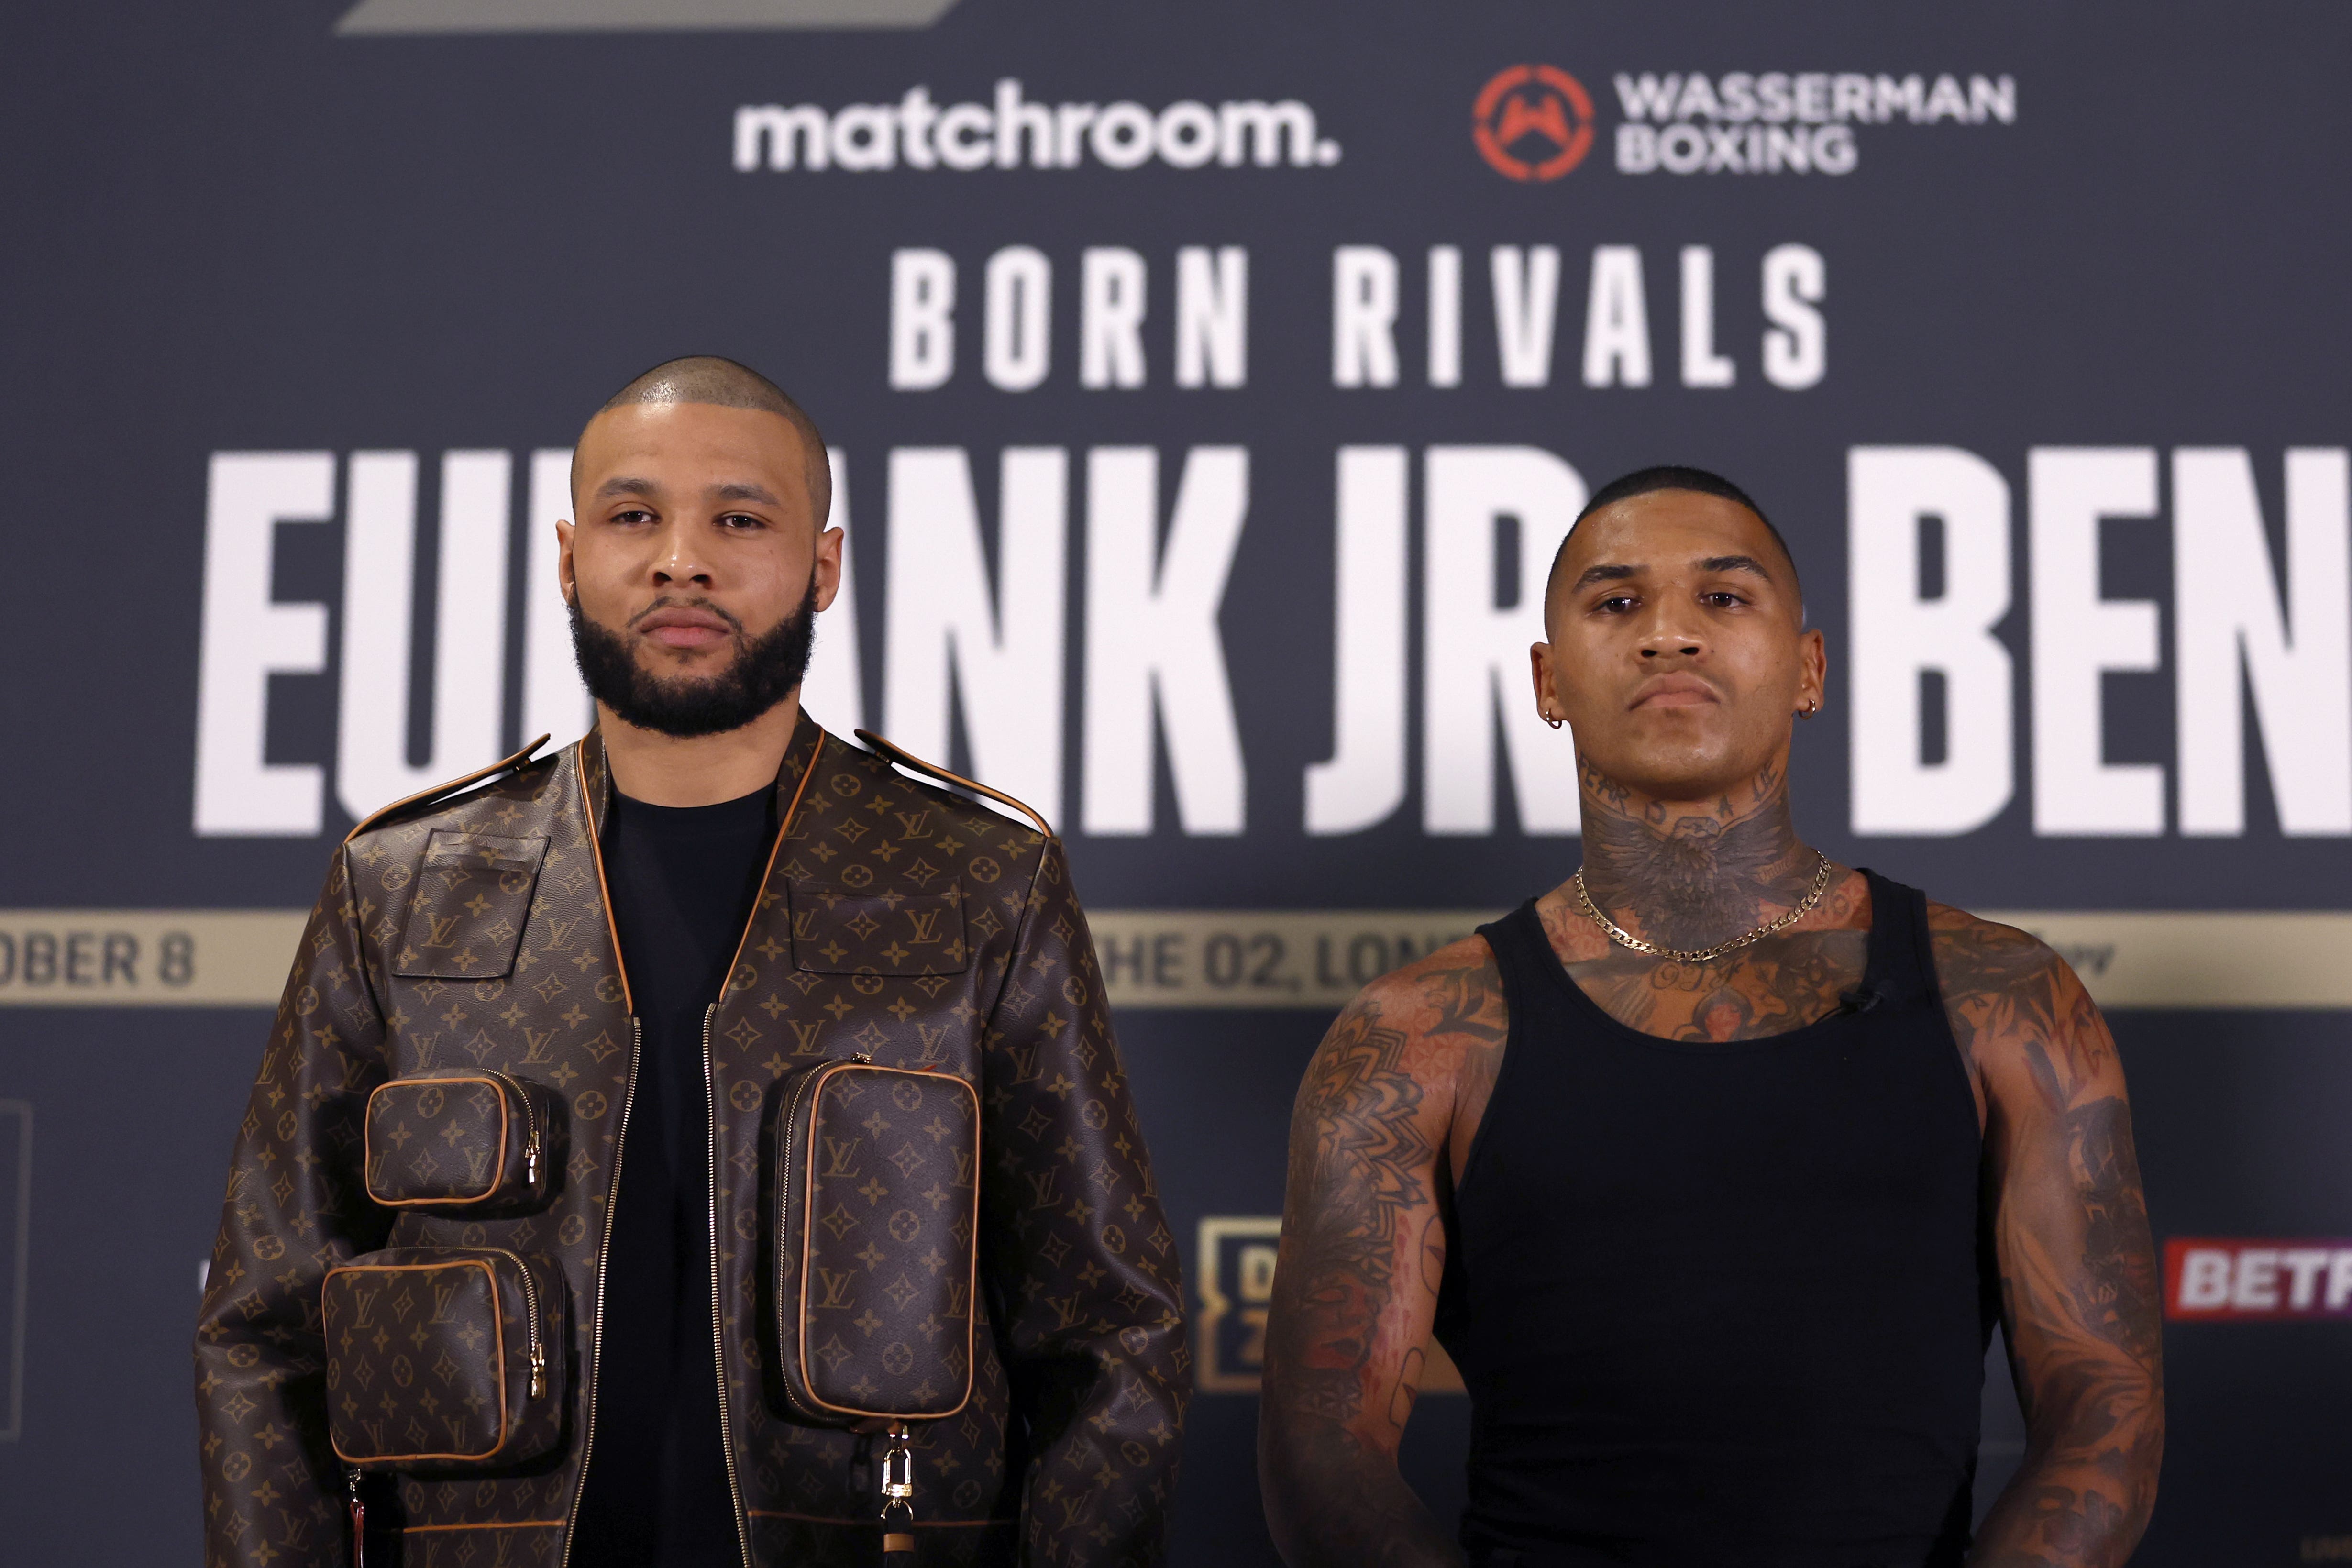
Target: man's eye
point(1616, 603)
point(635, 514)
point(1722, 598)
point(737, 519)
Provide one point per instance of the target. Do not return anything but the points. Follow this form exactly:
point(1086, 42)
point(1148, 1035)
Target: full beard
point(766, 670)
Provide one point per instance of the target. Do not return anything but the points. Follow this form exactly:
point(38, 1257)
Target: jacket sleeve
point(1081, 1266)
point(296, 1206)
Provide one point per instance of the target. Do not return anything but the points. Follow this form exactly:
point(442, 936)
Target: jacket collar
point(596, 774)
point(596, 795)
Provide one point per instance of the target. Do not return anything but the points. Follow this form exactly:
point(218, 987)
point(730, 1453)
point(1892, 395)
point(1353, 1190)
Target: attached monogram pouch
point(453, 1136)
point(445, 1358)
point(876, 1180)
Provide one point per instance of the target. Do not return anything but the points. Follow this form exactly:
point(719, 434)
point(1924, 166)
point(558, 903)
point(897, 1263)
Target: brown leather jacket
point(1068, 1451)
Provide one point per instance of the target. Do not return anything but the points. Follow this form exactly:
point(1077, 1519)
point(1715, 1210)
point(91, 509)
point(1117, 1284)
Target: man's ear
point(564, 581)
point(827, 577)
point(1813, 659)
point(1548, 701)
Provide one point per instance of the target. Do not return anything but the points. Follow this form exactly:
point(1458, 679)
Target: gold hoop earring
point(1809, 710)
point(1555, 723)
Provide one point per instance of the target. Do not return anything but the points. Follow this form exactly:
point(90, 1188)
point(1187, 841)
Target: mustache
point(669, 602)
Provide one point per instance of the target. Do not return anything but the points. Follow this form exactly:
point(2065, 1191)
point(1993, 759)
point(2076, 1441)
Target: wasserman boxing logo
point(1532, 122)
point(1536, 122)
point(1013, 131)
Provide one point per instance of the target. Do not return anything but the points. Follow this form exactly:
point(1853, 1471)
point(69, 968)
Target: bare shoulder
point(1981, 963)
point(1973, 953)
point(2016, 1007)
point(1452, 998)
point(1428, 1037)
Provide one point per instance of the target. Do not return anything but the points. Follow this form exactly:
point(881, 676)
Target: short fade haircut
point(1673, 477)
point(726, 384)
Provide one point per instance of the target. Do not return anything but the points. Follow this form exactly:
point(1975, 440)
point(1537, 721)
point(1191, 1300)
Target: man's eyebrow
point(1607, 574)
point(624, 486)
point(742, 489)
point(1736, 563)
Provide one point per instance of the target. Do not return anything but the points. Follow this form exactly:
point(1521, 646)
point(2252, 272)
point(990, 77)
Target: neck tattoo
point(1624, 937)
point(1692, 878)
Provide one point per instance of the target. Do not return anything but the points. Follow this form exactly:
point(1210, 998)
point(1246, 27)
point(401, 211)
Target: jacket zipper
point(718, 1314)
point(710, 1114)
point(531, 1305)
point(529, 1128)
point(604, 1247)
point(597, 1319)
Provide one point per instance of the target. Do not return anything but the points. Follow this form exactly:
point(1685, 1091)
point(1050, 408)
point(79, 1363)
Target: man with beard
point(649, 931)
point(1712, 1167)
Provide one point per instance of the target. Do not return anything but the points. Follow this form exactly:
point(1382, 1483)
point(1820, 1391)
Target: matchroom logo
point(1532, 122)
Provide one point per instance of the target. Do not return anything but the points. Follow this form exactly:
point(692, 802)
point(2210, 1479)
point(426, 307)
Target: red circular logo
point(1533, 123)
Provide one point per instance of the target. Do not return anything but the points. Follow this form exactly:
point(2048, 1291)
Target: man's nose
point(1669, 632)
point(681, 560)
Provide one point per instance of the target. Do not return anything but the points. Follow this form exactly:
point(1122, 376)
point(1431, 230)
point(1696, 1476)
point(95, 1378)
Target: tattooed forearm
point(1360, 1512)
point(2115, 1295)
point(1363, 1250)
point(2078, 1269)
point(1357, 1152)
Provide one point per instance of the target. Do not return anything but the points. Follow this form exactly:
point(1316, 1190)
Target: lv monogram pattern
point(433, 1354)
point(838, 931)
point(1078, 1306)
point(455, 1137)
point(471, 901)
point(877, 1173)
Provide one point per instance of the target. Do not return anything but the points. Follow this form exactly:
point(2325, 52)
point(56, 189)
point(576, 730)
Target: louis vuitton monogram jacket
point(897, 920)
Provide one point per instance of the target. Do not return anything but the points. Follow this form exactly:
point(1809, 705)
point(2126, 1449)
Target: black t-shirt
point(682, 881)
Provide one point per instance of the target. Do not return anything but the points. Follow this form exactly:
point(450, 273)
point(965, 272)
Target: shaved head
point(724, 384)
point(1673, 477)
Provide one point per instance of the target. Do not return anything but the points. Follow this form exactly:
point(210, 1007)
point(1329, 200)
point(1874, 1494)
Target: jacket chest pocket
point(837, 931)
point(472, 900)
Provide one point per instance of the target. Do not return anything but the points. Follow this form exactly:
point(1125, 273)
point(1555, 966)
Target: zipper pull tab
point(538, 1372)
point(898, 1497)
point(530, 1161)
point(359, 1518)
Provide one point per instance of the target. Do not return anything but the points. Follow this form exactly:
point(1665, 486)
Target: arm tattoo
point(1466, 1000)
point(1363, 1252)
point(2078, 1284)
point(2116, 1298)
point(1362, 1164)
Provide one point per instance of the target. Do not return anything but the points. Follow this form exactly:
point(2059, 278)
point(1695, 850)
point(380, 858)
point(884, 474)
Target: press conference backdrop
point(1207, 389)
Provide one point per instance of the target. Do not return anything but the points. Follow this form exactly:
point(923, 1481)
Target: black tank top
point(1722, 1304)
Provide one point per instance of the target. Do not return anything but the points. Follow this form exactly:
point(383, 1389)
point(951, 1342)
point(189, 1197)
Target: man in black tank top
point(1713, 1167)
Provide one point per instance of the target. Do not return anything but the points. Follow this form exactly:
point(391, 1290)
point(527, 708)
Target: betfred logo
point(1533, 123)
point(2243, 1280)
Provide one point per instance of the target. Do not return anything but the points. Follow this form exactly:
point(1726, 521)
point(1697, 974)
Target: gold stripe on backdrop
point(1311, 959)
point(154, 957)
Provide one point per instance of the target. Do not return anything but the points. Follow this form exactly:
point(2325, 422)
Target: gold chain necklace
point(1620, 935)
